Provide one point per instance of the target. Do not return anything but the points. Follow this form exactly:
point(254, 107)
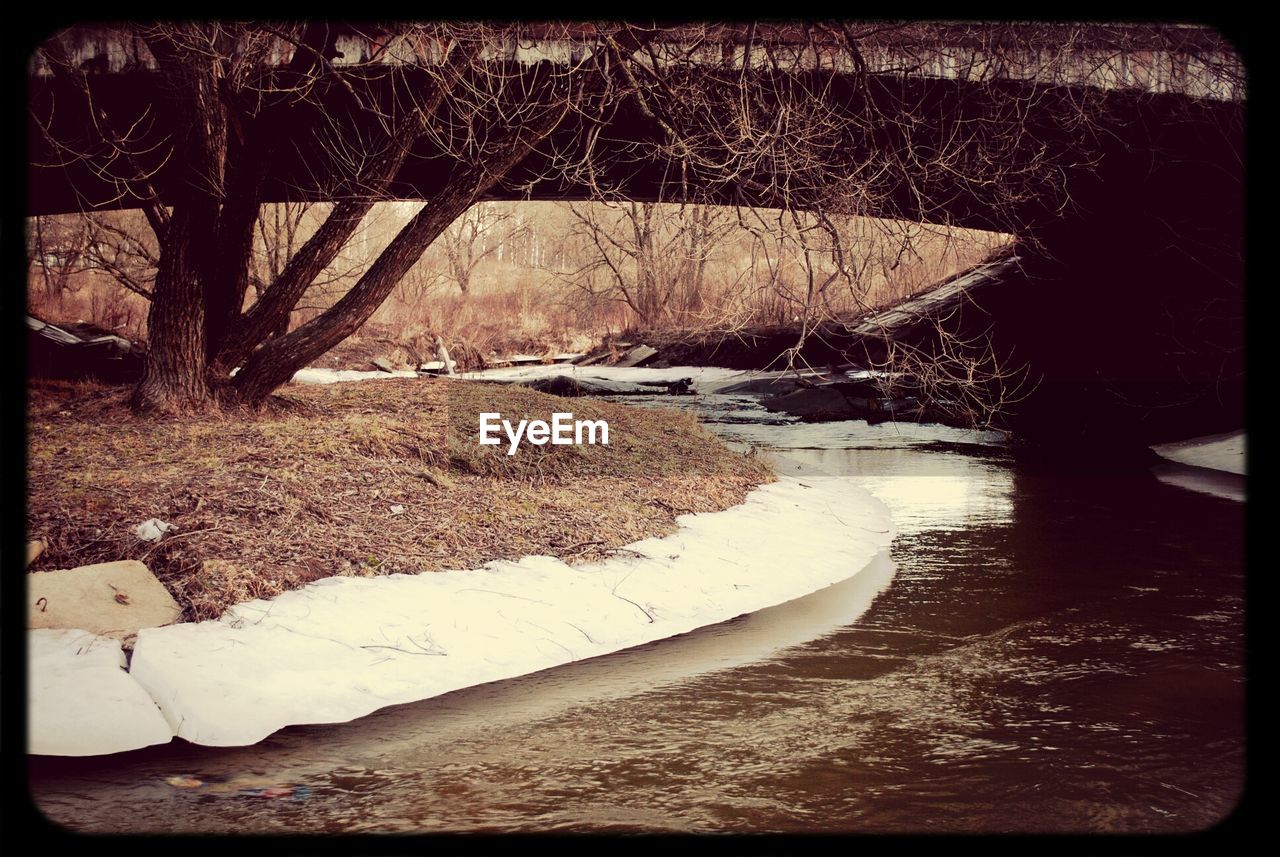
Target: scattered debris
point(592, 359)
point(397, 509)
point(678, 387)
point(383, 364)
point(239, 786)
point(565, 385)
point(80, 350)
point(574, 385)
point(289, 791)
point(442, 354)
point(636, 356)
point(152, 529)
point(773, 385)
point(842, 401)
point(34, 549)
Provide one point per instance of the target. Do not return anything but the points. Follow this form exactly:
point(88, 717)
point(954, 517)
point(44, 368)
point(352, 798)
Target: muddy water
point(1039, 651)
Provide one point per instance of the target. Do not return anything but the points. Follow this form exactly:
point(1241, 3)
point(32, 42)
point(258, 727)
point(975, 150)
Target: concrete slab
point(111, 598)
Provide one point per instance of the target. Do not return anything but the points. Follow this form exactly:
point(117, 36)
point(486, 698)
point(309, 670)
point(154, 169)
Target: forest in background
point(530, 277)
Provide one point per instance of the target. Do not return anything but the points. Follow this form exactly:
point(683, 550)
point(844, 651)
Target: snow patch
point(706, 379)
point(80, 700)
point(1216, 452)
point(344, 647)
point(318, 375)
point(854, 434)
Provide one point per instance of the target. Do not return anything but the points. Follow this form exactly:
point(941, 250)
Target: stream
point(1041, 650)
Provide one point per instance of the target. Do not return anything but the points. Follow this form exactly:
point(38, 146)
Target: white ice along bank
point(344, 647)
point(80, 700)
point(563, 430)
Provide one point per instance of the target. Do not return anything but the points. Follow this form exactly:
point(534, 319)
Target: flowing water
point(1041, 650)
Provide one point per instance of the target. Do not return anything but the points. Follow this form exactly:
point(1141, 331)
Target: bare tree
point(479, 233)
point(651, 258)
point(57, 248)
point(64, 248)
point(124, 250)
point(276, 242)
point(968, 379)
point(830, 119)
point(236, 107)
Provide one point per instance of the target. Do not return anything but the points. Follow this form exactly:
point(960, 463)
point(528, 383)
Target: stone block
point(110, 598)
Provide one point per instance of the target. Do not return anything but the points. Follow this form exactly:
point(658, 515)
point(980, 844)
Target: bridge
point(1189, 60)
point(1128, 301)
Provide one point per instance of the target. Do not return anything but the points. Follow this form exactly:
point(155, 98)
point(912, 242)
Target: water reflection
point(1228, 486)
point(955, 491)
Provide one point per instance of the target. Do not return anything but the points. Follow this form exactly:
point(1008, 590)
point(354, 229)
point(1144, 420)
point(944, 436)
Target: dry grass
point(267, 502)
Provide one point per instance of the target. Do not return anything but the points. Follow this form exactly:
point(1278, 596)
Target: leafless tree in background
point(476, 235)
point(651, 259)
point(66, 251)
point(56, 249)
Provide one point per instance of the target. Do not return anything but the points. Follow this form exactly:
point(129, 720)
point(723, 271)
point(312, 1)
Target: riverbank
point(354, 480)
point(342, 648)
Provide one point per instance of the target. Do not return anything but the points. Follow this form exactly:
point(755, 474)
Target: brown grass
point(267, 502)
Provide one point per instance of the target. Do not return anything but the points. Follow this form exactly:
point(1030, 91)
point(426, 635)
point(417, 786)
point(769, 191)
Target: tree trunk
point(270, 313)
point(228, 273)
point(174, 374)
point(203, 271)
point(275, 362)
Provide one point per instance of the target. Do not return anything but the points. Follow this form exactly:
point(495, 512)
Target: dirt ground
point(367, 478)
